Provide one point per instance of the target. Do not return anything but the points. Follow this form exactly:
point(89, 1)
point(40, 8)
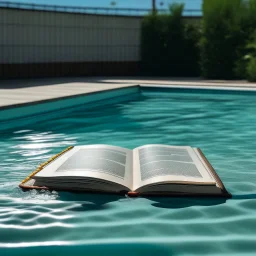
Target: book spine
point(133, 194)
point(40, 167)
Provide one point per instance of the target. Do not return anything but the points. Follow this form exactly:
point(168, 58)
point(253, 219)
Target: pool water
point(223, 125)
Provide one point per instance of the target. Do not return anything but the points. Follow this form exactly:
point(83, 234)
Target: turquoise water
point(223, 125)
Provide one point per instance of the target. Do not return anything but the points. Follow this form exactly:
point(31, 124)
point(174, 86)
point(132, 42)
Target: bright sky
point(189, 4)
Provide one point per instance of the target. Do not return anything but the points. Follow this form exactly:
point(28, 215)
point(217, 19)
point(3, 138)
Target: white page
point(97, 161)
point(162, 163)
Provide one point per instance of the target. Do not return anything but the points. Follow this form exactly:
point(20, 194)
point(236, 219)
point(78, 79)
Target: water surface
point(222, 125)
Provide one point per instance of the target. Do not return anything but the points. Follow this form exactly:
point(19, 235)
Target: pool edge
point(30, 103)
point(30, 109)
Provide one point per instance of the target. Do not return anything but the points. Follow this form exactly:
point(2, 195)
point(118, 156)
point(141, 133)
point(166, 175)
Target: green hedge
point(168, 46)
point(221, 37)
point(251, 70)
point(250, 59)
point(216, 49)
point(227, 26)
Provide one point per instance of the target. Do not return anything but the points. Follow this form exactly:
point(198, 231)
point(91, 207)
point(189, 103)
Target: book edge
point(40, 168)
point(214, 173)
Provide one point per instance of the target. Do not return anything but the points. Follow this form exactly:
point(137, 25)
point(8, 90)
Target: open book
point(146, 170)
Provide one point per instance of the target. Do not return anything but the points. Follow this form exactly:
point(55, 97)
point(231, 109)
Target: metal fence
point(93, 10)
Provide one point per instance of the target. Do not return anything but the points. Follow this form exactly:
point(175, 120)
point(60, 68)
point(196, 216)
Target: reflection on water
point(223, 126)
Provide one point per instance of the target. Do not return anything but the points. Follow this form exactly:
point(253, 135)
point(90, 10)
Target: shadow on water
point(185, 202)
point(89, 202)
point(245, 196)
point(100, 201)
point(116, 248)
point(177, 203)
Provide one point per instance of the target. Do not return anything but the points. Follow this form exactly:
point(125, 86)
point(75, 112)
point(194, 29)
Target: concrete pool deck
point(19, 92)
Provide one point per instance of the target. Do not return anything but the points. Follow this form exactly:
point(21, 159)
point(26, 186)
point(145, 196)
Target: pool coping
point(66, 96)
point(51, 107)
point(22, 93)
point(170, 85)
point(203, 87)
point(31, 103)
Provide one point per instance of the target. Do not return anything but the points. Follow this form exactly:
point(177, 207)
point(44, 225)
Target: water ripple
point(223, 126)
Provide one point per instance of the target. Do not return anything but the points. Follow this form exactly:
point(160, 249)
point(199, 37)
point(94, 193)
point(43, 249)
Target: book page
point(172, 164)
point(96, 161)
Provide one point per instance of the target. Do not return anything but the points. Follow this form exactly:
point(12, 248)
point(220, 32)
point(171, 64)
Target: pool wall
point(29, 111)
point(200, 89)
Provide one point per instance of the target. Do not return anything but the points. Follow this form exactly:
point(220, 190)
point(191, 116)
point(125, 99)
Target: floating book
point(146, 170)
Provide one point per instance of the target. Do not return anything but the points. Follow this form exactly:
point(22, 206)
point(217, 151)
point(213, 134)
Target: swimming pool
point(222, 124)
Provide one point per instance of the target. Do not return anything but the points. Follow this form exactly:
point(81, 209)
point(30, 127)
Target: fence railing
point(93, 10)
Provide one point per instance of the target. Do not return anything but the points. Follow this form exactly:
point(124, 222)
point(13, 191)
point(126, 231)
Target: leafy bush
point(175, 41)
point(248, 20)
point(248, 25)
point(248, 52)
point(227, 27)
point(168, 46)
point(251, 58)
point(191, 64)
point(251, 70)
point(153, 44)
point(221, 37)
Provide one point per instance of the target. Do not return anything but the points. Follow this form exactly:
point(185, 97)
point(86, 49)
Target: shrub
point(227, 27)
point(251, 70)
point(251, 58)
point(248, 53)
point(191, 64)
point(153, 44)
point(248, 25)
point(168, 46)
point(175, 41)
point(248, 18)
point(221, 37)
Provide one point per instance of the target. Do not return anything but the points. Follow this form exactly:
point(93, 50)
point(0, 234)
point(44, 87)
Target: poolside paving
point(18, 92)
